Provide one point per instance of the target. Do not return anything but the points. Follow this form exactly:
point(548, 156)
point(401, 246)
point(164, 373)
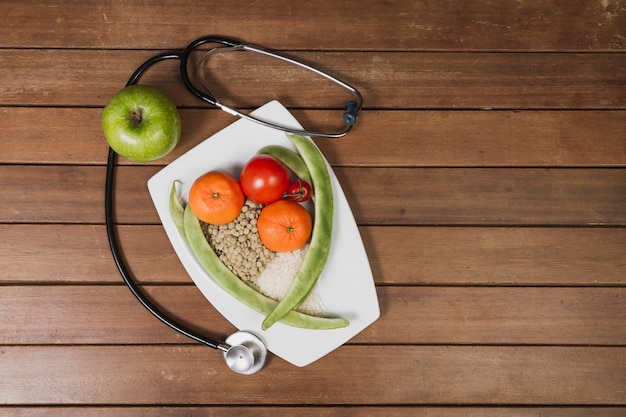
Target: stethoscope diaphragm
point(246, 353)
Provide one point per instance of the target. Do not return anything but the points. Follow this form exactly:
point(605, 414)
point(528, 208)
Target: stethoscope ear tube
point(349, 116)
point(184, 69)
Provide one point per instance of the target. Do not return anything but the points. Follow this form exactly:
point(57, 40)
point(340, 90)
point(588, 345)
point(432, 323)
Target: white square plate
point(346, 286)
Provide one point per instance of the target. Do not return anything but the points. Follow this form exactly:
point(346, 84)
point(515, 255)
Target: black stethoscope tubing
point(109, 210)
point(350, 115)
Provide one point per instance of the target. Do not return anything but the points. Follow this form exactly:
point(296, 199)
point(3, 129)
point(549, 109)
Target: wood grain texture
point(355, 25)
point(318, 411)
point(408, 375)
point(487, 174)
point(417, 138)
point(410, 315)
point(387, 80)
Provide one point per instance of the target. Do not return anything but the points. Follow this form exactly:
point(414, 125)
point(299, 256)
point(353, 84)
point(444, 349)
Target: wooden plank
point(499, 256)
point(57, 253)
point(417, 139)
point(80, 254)
point(482, 138)
point(534, 25)
point(66, 314)
point(47, 194)
point(388, 80)
point(315, 411)
point(404, 375)
point(386, 196)
point(508, 316)
point(486, 196)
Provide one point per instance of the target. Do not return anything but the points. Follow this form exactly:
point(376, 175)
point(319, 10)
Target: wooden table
point(487, 175)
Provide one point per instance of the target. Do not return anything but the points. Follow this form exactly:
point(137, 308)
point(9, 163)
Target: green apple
point(141, 123)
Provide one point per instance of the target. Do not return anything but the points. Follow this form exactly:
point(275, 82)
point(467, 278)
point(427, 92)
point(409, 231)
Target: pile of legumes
point(256, 239)
point(238, 244)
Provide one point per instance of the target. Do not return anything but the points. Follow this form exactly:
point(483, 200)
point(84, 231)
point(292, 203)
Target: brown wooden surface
point(487, 175)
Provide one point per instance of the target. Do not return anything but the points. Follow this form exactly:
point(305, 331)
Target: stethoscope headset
point(244, 352)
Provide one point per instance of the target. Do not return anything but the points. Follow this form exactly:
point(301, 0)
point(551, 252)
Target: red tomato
point(264, 179)
point(298, 191)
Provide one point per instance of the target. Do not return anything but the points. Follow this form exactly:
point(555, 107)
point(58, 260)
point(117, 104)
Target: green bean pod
point(321, 236)
point(220, 273)
point(177, 209)
point(289, 158)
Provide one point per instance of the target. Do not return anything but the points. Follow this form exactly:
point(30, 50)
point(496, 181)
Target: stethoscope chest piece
point(246, 353)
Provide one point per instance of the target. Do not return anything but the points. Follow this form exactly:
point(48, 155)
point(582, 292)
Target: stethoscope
point(243, 351)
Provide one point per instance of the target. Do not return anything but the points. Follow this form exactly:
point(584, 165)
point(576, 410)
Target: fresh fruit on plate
point(298, 191)
point(216, 198)
point(284, 226)
point(264, 179)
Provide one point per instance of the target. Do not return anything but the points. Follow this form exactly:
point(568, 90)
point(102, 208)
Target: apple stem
point(136, 116)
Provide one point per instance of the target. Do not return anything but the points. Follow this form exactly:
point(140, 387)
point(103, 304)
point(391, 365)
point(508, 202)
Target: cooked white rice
point(279, 273)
